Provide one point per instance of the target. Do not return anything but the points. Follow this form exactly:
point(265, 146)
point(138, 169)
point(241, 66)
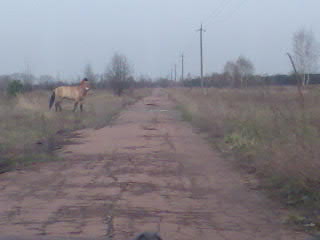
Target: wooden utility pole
point(201, 30)
point(175, 72)
point(182, 67)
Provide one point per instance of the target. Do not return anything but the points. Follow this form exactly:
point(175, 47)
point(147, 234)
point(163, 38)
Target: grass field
point(271, 132)
point(30, 132)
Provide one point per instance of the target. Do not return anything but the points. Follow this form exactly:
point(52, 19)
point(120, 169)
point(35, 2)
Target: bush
point(14, 87)
point(118, 74)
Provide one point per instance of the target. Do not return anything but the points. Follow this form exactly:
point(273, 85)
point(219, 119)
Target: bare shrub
point(118, 74)
point(306, 53)
point(239, 72)
point(268, 131)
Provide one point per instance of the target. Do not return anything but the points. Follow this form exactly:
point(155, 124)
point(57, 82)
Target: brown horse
point(75, 93)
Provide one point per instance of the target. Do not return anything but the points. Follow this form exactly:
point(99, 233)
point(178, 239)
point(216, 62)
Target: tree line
point(118, 77)
point(237, 73)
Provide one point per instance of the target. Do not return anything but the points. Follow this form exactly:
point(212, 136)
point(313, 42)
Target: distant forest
point(222, 80)
point(219, 80)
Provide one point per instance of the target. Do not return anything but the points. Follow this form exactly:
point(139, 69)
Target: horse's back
point(67, 92)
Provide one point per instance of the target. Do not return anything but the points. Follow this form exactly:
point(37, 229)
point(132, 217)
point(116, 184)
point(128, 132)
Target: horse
point(75, 93)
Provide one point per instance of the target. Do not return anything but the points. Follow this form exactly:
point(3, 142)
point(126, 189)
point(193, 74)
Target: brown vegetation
point(30, 132)
point(270, 132)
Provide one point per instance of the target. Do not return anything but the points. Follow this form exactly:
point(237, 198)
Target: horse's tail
point(52, 98)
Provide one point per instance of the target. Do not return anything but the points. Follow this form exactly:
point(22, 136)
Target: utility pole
point(182, 67)
point(201, 30)
point(175, 72)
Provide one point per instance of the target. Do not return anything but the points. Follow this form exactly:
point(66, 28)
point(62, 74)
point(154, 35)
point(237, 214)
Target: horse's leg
point(56, 106)
point(75, 106)
point(81, 106)
point(60, 107)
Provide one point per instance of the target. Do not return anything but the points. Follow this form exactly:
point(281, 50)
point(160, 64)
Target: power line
point(217, 9)
point(222, 5)
point(233, 11)
point(220, 9)
point(213, 18)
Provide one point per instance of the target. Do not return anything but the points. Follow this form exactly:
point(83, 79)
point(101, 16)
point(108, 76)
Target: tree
point(4, 82)
point(239, 72)
point(246, 70)
point(119, 73)
point(26, 78)
point(14, 87)
point(46, 82)
point(232, 73)
point(305, 53)
point(144, 81)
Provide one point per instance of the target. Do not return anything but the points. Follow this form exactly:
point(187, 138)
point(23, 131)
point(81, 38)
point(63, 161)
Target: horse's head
point(85, 85)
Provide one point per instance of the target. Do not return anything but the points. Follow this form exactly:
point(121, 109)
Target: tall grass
point(269, 131)
point(29, 132)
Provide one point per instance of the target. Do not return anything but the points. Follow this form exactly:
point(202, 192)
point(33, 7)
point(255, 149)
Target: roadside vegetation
point(270, 134)
point(30, 132)
point(269, 124)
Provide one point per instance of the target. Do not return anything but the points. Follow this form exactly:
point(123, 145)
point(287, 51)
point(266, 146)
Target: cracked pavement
point(149, 171)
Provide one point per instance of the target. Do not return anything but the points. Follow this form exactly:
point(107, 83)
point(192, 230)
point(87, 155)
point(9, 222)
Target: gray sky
point(54, 36)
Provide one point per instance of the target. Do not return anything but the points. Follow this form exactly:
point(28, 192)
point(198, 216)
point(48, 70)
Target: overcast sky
point(61, 36)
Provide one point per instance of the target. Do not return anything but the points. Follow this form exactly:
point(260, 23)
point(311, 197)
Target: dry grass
point(31, 133)
point(268, 131)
